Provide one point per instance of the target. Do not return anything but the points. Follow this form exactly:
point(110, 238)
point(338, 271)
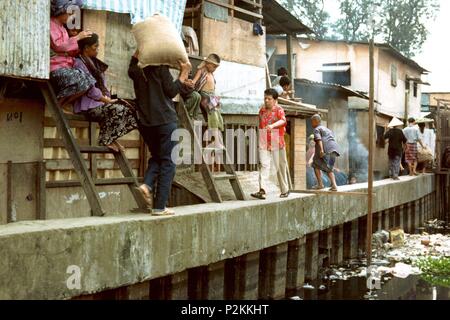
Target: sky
point(435, 55)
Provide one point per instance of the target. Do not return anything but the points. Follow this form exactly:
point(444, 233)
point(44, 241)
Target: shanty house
point(39, 179)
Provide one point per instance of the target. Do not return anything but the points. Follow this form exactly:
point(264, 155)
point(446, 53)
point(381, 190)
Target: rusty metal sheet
point(25, 38)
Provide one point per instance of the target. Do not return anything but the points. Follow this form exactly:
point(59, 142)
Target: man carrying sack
point(155, 90)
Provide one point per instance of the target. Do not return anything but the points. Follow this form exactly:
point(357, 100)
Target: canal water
point(411, 288)
point(352, 283)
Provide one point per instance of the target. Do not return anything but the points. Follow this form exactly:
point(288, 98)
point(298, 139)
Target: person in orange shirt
point(272, 146)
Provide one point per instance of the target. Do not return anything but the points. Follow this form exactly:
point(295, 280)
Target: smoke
point(358, 154)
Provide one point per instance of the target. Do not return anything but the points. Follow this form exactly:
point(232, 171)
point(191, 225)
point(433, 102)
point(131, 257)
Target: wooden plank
point(92, 142)
point(58, 143)
point(40, 191)
point(235, 8)
point(97, 182)
point(9, 213)
point(224, 176)
point(102, 164)
point(253, 3)
point(332, 193)
point(127, 172)
point(72, 149)
point(50, 122)
point(96, 149)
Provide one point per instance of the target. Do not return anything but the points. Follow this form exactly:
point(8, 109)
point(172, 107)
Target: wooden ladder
point(210, 178)
point(75, 151)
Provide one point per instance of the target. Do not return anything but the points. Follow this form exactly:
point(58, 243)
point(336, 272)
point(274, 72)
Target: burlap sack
point(159, 42)
point(424, 155)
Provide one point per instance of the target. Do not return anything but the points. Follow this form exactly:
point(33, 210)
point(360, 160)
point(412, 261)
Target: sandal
point(333, 189)
point(318, 187)
point(146, 194)
point(284, 195)
point(259, 195)
point(165, 212)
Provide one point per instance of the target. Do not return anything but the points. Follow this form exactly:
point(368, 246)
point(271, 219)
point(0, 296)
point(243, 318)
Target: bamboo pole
point(371, 149)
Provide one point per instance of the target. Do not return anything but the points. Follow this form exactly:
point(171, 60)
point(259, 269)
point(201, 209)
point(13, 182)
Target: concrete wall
point(113, 252)
point(233, 41)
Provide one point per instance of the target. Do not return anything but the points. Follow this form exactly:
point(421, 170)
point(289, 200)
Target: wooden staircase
point(87, 181)
point(210, 178)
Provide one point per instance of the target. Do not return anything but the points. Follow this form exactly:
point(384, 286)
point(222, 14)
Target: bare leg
point(119, 146)
point(333, 180)
point(319, 178)
point(414, 168)
point(411, 169)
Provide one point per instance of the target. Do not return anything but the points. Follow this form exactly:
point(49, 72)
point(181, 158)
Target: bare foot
point(119, 146)
point(113, 147)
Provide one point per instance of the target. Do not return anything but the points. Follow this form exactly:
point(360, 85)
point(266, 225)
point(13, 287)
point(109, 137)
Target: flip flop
point(166, 212)
point(259, 195)
point(146, 195)
point(333, 189)
point(318, 188)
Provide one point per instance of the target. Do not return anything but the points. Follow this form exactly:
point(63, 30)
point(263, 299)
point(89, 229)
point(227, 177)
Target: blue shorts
point(326, 163)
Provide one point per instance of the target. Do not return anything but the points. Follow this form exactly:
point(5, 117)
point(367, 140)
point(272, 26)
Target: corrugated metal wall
point(25, 38)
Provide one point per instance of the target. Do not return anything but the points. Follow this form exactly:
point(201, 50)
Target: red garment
point(66, 48)
point(265, 137)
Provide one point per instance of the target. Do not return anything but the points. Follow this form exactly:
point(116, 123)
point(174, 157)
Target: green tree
point(311, 12)
point(402, 22)
point(352, 26)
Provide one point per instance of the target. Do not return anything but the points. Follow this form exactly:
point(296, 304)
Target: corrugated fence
point(24, 42)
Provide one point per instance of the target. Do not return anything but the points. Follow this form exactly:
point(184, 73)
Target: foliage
point(311, 12)
point(400, 23)
point(436, 271)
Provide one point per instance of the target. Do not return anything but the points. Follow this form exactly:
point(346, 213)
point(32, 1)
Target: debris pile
point(395, 254)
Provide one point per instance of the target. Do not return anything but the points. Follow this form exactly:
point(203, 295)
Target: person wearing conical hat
point(397, 141)
point(412, 135)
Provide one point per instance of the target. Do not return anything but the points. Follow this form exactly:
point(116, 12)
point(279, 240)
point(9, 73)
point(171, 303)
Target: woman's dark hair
point(422, 127)
point(271, 92)
point(87, 42)
point(282, 72)
point(285, 81)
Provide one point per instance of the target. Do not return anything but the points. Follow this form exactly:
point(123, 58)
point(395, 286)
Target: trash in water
point(397, 238)
point(308, 287)
point(322, 287)
point(296, 298)
point(403, 271)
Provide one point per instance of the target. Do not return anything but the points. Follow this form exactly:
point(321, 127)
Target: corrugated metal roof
point(142, 9)
point(347, 91)
point(278, 20)
point(25, 41)
point(334, 69)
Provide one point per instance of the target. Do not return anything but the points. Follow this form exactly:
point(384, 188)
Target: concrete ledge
point(117, 251)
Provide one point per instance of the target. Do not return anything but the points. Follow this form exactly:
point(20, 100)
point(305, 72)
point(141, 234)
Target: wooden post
point(9, 209)
point(40, 190)
point(295, 276)
point(371, 148)
point(290, 62)
point(93, 143)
